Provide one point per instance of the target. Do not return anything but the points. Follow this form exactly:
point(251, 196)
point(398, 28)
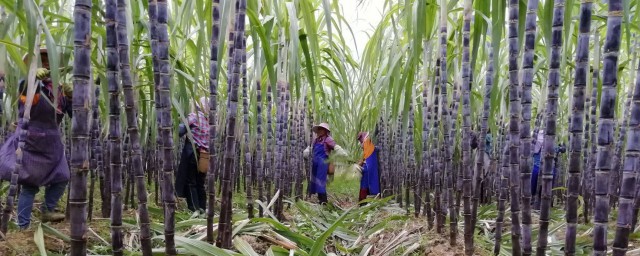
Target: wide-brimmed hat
point(202, 105)
point(323, 126)
point(43, 56)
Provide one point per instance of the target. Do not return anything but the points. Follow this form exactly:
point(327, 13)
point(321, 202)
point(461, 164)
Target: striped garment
point(199, 125)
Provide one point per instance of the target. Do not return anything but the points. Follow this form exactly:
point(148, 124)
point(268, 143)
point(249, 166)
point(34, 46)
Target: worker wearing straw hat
point(322, 147)
point(43, 160)
point(370, 181)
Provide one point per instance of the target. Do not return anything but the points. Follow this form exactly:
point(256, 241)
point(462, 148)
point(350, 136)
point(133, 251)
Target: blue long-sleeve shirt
point(487, 142)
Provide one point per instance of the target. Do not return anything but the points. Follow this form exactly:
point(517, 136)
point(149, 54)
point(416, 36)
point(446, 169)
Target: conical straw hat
point(323, 126)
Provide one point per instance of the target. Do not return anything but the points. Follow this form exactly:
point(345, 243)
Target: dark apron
point(43, 159)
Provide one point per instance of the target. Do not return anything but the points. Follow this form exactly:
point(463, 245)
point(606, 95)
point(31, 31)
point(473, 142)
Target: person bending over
point(189, 180)
point(43, 159)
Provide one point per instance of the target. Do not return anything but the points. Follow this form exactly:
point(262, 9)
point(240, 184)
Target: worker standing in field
point(482, 173)
point(487, 147)
point(322, 147)
point(537, 161)
point(370, 181)
point(43, 160)
point(191, 174)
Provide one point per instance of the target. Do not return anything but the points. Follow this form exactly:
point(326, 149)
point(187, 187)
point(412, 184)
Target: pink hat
point(323, 126)
point(362, 135)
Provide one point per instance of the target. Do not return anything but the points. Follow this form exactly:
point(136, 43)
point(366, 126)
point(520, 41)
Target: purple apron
point(43, 158)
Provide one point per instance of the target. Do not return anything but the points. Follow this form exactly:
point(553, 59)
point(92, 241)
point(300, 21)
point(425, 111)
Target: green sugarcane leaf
point(274, 222)
point(239, 226)
point(327, 16)
point(156, 212)
point(38, 238)
point(198, 247)
point(269, 252)
point(17, 59)
point(277, 251)
point(52, 53)
point(382, 224)
point(244, 247)
point(54, 232)
point(309, 66)
point(9, 43)
point(296, 238)
point(626, 8)
point(266, 210)
point(259, 28)
point(366, 250)
point(286, 232)
point(318, 247)
point(192, 222)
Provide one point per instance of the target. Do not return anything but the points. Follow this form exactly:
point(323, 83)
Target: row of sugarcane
point(123, 161)
point(605, 177)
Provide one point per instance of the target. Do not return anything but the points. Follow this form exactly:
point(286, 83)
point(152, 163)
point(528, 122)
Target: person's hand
point(13, 127)
point(42, 73)
point(562, 148)
point(67, 89)
point(306, 152)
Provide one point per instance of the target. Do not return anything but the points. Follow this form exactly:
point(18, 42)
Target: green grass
point(344, 185)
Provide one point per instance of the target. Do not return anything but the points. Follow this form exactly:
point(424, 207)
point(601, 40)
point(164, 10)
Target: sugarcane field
point(319, 127)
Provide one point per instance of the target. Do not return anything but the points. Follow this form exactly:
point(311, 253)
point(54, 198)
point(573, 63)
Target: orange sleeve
point(368, 148)
point(36, 98)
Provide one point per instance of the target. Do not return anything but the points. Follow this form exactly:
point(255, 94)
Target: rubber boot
point(322, 198)
point(50, 216)
point(363, 195)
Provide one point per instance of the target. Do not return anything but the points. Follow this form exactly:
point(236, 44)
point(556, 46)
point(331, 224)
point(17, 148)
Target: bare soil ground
point(258, 245)
point(22, 242)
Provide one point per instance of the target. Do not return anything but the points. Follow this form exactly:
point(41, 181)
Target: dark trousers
point(195, 194)
point(189, 181)
point(322, 198)
point(364, 192)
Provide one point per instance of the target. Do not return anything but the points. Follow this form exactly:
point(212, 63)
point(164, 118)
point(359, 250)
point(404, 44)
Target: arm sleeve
point(192, 119)
point(182, 130)
point(22, 87)
point(474, 141)
point(68, 108)
point(67, 99)
point(330, 143)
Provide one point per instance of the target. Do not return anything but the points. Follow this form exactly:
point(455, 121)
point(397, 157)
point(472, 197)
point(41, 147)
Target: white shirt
point(539, 141)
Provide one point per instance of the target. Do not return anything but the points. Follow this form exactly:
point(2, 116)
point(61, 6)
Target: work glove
point(306, 152)
point(67, 89)
point(42, 73)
